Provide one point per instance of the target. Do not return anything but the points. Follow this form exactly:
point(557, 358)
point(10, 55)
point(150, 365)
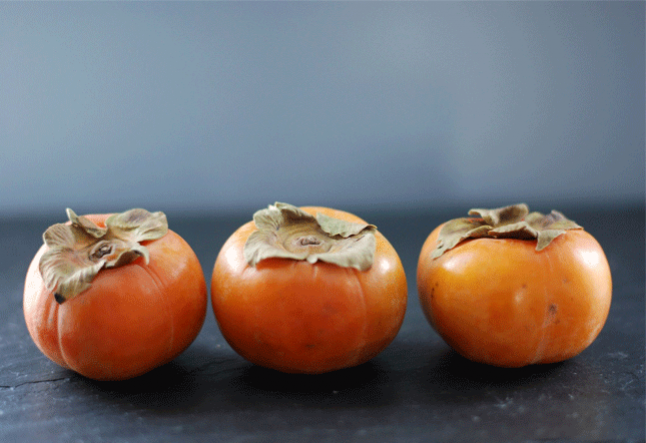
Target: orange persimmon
point(509, 288)
point(308, 290)
point(114, 303)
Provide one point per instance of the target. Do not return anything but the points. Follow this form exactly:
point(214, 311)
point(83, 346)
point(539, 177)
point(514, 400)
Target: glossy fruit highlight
point(308, 290)
point(112, 304)
point(509, 288)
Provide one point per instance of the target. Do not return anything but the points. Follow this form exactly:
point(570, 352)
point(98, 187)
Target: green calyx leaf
point(508, 222)
point(285, 231)
point(79, 250)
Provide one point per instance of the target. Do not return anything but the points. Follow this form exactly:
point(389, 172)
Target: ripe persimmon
point(308, 290)
point(509, 288)
point(114, 296)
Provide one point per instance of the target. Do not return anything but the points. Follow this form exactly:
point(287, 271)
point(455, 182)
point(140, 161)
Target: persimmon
point(114, 296)
point(308, 290)
point(509, 288)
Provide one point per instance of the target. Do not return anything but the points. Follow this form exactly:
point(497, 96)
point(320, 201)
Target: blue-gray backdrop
point(221, 107)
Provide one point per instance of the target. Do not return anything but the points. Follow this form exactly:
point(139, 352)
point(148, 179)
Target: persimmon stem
point(80, 249)
point(508, 222)
point(309, 240)
point(285, 231)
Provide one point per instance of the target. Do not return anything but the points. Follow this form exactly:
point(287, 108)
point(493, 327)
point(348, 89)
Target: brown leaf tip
point(79, 250)
point(513, 221)
point(285, 231)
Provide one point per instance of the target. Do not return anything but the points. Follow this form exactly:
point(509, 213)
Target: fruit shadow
point(364, 385)
point(181, 385)
point(206, 380)
point(450, 379)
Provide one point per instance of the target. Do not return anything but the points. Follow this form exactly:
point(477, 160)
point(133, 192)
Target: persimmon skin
point(298, 317)
point(502, 303)
point(131, 320)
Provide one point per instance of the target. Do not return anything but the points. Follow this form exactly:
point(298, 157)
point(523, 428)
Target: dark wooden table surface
point(418, 389)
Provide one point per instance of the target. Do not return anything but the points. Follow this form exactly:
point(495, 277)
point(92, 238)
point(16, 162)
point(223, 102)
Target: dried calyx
point(509, 222)
point(80, 249)
point(285, 231)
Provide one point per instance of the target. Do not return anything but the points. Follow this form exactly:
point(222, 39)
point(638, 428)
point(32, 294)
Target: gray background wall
point(211, 107)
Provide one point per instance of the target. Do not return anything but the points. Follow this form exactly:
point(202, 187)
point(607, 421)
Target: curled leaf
point(502, 216)
point(285, 231)
point(335, 227)
point(79, 250)
point(85, 224)
point(457, 231)
point(508, 222)
point(138, 225)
